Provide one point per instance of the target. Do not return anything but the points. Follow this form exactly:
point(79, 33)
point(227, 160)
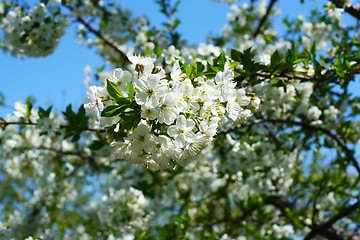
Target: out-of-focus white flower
point(87, 70)
point(331, 112)
point(314, 113)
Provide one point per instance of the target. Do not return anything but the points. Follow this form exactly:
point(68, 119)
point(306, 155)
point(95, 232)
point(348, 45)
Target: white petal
point(127, 76)
point(181, 121)
point(140, 98)
point(142, 129)
point(180, 142)
point(89, 107)
point(173, 131)
point(228, 75)
point(190, 124)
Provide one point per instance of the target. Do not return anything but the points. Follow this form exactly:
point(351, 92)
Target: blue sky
point(58, 79)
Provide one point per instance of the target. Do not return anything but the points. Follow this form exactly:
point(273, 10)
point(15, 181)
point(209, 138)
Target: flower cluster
point(118, 204)
point(165, 118)
point(35, 33)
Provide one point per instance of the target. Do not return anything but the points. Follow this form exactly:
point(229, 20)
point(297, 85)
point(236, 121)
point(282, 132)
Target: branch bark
point(103, 38)
point(3, 124)
point(318, 229)
point(264, 18)
point(352, 10)
point(337, 139)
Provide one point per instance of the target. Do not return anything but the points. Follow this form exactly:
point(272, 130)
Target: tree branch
point(341, 143)
point(103, 38)
point(97, 32)
point(264, 18)
point(90, 159)
point(318, 229)
point(291, 76)
point(352, 10)
point(287, 75)
point(4, 124)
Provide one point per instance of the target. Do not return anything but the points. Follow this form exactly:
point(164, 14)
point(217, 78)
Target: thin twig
point(98, 33)
point(103, 38)
point(68, 153)
point(264, 18)
point(308, 126)
point(3, 124)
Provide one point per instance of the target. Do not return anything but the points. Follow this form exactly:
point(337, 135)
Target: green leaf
point(199, 68)
point(275, 60)
point(131, 91)
point(122, 101)
point(187, 69)
point(81, 111)
point(77, 122)
point(148, 51)
point(195, 70)
point(211, 71)
point(131, 117)
point(157, 50)
point(113, 110)
point(236, 55)
point(246, 59)
point(75, 137)
point(45, 1)
point(29, 105)
point(221, 60)
point(96, 145)
point(176, 23)
point(313, 49)
point(279, 83)
point(113, 90)
point(2, 99)
point(44, 113)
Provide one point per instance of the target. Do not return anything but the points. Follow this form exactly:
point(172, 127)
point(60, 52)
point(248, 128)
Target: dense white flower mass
point(33, 33)
point(178, 116)
point(246, 139)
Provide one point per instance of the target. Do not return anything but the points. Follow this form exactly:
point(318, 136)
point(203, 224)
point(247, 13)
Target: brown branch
point(287, 75)
point(291, 76)
point(97, 32)
point(308, 126)
point(69, 153)
point(90, 159)
point(282, 203)
point(273, 135)
point(318, 229)
point(4, 124)
point(103, 38)
point(352, 10)
point(324, 130)
point(264, 18)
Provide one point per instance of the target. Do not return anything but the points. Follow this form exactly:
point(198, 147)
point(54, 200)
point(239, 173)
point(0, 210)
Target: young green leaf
point(44, 113)
point(221, 60)
point(131, 91)
point(275, 61)
point(113, 110)
point(236, 55)
point(113, 90)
